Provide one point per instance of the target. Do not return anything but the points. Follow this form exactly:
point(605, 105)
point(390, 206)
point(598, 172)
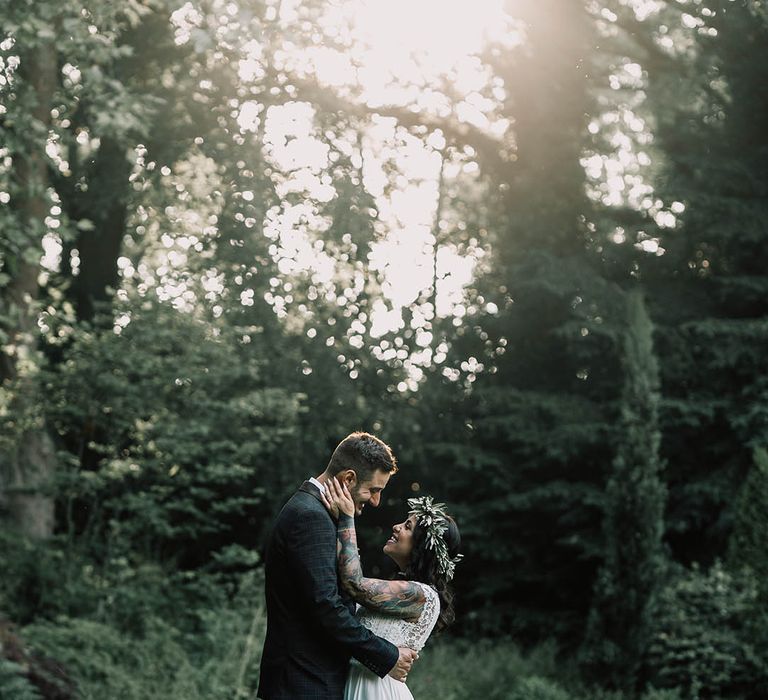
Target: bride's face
point(400, 544)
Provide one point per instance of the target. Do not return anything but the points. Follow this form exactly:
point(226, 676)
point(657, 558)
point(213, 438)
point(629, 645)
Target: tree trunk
point(99, 248)
point(548, 102)
point(28, 464)
point(627, 585)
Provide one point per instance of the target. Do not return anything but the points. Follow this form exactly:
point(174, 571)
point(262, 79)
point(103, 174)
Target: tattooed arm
point(397, 598)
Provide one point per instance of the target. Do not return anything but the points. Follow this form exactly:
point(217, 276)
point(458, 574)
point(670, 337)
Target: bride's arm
point(398, 598)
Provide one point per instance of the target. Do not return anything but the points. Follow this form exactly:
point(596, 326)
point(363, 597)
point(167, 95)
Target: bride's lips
point(391, 540)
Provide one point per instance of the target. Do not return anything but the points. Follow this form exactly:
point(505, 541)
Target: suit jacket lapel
point(311, 489)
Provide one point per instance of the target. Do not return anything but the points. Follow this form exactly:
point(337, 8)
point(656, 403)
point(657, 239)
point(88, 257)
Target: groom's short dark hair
point(364, 453)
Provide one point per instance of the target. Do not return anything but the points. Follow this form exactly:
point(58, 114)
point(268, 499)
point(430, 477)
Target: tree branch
point(492, 153)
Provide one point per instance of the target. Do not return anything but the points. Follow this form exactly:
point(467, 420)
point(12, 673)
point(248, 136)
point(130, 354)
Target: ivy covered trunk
point(28, 455)
point(628, 582)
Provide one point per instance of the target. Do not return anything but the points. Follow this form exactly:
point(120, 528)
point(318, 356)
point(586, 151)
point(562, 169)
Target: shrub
point(458, 670)
point(746, 547)
point(701, 640)
point(662, 694)
point(13, 682)
point(535, 688)
point(215, 659)
point(169, 432)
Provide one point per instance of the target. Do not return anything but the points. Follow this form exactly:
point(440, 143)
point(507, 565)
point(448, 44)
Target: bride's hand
point(338, 499)
point(332, 508)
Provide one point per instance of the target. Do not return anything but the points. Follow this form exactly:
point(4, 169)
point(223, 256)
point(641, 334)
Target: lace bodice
point(404, 633)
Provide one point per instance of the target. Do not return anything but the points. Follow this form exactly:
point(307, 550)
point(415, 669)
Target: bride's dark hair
point(423, 567)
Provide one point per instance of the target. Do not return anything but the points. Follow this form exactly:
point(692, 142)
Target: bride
point(425, 548)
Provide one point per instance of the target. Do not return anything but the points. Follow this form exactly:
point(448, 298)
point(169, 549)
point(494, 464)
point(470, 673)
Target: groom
point(311, 629)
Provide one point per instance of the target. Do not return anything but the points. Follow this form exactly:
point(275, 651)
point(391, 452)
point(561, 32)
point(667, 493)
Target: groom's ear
point(349, 477)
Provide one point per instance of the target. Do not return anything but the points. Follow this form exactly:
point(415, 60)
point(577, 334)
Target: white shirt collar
point(315, 482)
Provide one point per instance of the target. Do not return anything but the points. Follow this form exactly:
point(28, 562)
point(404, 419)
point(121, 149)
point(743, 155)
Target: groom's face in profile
point(366, 491)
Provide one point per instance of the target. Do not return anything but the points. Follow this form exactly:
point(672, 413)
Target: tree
point(707, 293)
point(633, 527)
point(745, 548)
point(26, 452)
point(529, 420)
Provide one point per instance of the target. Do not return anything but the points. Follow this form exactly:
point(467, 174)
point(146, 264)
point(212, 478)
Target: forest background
point(524, 242)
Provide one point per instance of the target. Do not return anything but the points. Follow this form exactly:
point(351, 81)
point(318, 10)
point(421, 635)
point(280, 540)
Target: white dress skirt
point(363, 684)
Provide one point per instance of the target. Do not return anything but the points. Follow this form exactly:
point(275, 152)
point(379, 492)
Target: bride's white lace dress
point(364, 685)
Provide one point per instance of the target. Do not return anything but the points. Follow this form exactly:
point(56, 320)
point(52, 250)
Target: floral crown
point(433, 518)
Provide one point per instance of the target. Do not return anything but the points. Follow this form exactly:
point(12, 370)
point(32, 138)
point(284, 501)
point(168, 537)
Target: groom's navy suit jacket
point(311, 629)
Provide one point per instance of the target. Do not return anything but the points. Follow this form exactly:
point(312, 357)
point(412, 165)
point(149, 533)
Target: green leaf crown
point(433, 518)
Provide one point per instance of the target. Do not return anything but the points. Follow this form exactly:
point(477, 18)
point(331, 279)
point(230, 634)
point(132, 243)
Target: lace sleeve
point(419, 631)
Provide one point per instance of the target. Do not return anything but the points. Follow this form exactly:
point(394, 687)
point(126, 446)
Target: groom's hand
point(404, 663)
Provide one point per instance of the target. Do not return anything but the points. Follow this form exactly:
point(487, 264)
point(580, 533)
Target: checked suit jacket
point(311, 629)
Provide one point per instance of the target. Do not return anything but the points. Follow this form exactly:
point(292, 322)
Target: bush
point(701, 641)
point(169, 432)
point(535, 688)
point(14, 684)
point(34, 577)
point(170, 659)
point(131, 628)
point(55, 579)
point(662, 694)
point(459, 670)
point(746, 547)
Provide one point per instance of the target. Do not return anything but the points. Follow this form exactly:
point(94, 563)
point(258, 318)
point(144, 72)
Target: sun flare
point(420, 56)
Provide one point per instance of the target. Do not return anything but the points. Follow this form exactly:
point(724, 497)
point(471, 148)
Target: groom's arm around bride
point(311, 629)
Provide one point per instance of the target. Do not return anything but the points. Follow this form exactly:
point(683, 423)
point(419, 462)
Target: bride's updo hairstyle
point(430, 567)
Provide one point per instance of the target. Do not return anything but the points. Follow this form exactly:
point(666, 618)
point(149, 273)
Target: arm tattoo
point(397, 598)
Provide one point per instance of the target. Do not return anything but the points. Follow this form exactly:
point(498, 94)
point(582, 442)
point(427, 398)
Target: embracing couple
point(323, 611)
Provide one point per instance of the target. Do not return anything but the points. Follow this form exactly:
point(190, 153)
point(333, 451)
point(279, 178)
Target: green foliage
point(450, 670)
point(634, 561)
point(181, 428)
point(33, 578)
point(707, 292)
point(536, 688)
point(13, 683)
point(105, 662)
point(702, 638)
point(133, 629)
point(178, 430)
point(750, 530)
point(59, 580)
point(662, 694)
point(215, 658)
point(529, 441)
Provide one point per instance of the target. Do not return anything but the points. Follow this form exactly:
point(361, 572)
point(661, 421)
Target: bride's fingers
point(336, 489)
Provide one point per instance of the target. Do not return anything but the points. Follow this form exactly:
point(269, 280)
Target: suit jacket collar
point(311, 489)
